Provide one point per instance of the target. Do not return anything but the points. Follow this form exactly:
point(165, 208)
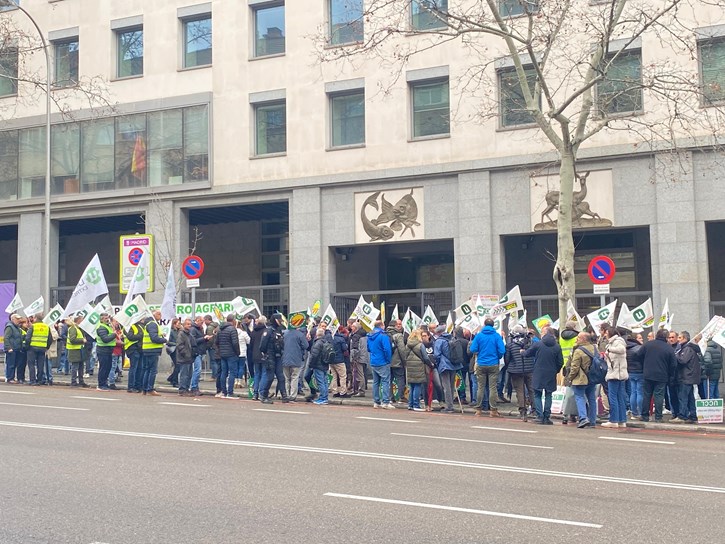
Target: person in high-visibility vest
point(74, 342)
point(105, 342)
point(153, 342)
point(133, 337)
point(38, 341)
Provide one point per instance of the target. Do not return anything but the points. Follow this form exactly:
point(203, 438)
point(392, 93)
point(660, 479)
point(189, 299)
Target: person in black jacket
point(271, 348)
point(548, 361)
point(688, 375)
point(319, 368)
point(227, 342)
point(254, 351)
point(711, 370)
point(200, 348)
point(636, 377)
point(658, 366)
point(520, 368)
point(185, 356)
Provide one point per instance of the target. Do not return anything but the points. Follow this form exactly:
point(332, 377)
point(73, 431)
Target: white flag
point(605, 314)
point(643, 315)
point(92, 320)
point(53, 315)
point(83, 312)
point(410, 321)
point(429, 316)
point(719, 335)
point(91, 285)
point(471, 322)
point(464, 310)
point(15, 305)
point(105, 306)
point(35, 307)
point(394, 316)
point(555, 325)
point(140, 280)
point(573, 315)
point(330, 318)
point(243, 306)
point(666, 317)
point(133, 312)
point(449, 323)
point(356, 311)
point(510, 302)
point(524, 321)
point(624, 316)
point(368, 314)
point(168, 305)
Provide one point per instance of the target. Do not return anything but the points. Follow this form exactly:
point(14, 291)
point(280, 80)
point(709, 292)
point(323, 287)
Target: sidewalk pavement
point(208, 387)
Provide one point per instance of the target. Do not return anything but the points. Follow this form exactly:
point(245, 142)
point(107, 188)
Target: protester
point(380, 356)
point(520, 368)
point(319, 368)
point(658, 366)
point(415, 363)
point(185, 355)
point(153, 342)
point(636, 377)
point(13, 342)
point(688, 376)
point(616, 357)
point(105, 342)
point(548, 361)
point(293, 359)
point(576, 376)
point(37, 342)
point(489, 348)
point(227, 342)
point(711, 370)
point(74, 345)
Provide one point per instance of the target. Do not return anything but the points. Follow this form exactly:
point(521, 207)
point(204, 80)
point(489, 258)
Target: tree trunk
point(564, 268)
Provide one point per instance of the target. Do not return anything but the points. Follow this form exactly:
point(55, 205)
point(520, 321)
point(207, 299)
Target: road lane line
point(636, 440)
point(465, 510)
point(388, 419)
point(184, 404)
point(476, 441)
point(503, 429)
point(381, 456)
point(17, 392)
point(44, 406)
point(279, 411)
point(93, 398)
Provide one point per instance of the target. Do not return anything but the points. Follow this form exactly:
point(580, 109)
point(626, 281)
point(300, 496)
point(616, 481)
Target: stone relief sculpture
point(394, 221)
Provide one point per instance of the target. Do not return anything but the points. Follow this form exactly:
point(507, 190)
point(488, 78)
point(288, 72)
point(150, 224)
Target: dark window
point(512, 104)
point(712, 70)
point(431, 108)
point(8, 71)
point(129, 45)
point(347, 113)
point(271, 121)
point(621, 90)
point(66, 63)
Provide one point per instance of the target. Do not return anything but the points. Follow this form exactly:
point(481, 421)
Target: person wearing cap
point(74, 342)
point(105, 342)
point(12, 344)
point(38, 341)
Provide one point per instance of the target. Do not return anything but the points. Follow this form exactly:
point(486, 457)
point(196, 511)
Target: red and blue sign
point(601, 270)
point(192, 267)
point(134, 256)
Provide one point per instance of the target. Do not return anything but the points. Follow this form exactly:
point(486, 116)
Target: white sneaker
point(435, 402)
point(609, 425)
point(376, 405)
point(419, 409)
point(389, 406)
point(666, 412)
point(219, 395)
point(622, 425)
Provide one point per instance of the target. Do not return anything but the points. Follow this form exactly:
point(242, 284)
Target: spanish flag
point(138, 160)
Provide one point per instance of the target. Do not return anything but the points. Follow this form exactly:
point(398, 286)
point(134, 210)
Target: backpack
point(457, 351)
point(327, 355)
point(597, 372)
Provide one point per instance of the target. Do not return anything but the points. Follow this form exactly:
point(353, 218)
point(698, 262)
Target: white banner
point(330, 319)
point(394, 316)
point(53, 315)
point(410, 321)
point(105, 306)
point(91, 285)
point(15, 305)
point(367, 314)
point(243, 306)
point(624, 316)
point(35, 307)
point(133, 312)
point(605, 314)
point(449, 323)
point(429, 316)
point(511, 302)
point(665, 321)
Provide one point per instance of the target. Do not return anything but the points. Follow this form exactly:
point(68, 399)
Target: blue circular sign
point(601, 270)
point(192, 267)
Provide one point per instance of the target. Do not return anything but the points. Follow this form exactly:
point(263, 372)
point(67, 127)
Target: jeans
point(291, 380)
point(150, 368)
point(586, 402)
point(321, 379)
point(490, 373)
point(636, 382)
point(230, 367)
point(448, 379)
point(195, 373)
point(473, 384)
point(63, 365)
point(673, 396)
point(414, 395)
point(381, 379)
point(185, 377)
point(104, 366)
point(49, 369)
point(10, 359)
point(687, 402)
point(504, 381)
point(216, 373)
point(21, 360)
point(658, 389)
point(542, 412)
point(36, 363)
point(617, 401)
point(214, 364)
point(711, 391)
point(242, 368)
point(135, 372)
point(259, 375)
point(116, 364)
point(272, 370)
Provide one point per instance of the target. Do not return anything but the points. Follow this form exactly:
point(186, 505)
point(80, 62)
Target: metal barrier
point(440, 300)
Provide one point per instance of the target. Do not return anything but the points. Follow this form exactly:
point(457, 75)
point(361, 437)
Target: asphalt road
point(80, 466)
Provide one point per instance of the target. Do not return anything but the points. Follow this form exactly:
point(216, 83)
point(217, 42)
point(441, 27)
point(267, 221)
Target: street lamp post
point(46, 214)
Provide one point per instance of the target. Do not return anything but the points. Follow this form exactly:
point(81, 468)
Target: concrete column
point(476, 254)
point(678, 244)
point(311, 269)
point(170, 229)
point(30, 243)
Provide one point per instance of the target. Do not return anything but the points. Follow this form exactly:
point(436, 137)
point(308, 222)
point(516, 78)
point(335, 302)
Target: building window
point(621, 90)
point(65, 150)
point(129, 49)
point(512, 105)
point(275, 252)
point(8, 165)
point(431, 108)
point(712, 70)
point(513, 8)
point(197, 41)
point(347, 114)
point(429, 14)
point(13, 5)
point(66, 62)
point(131, 141)
point(196, 143)
point(97, 138)
point(271, 128)
point(8, 71)
point(31, 162)
point(346, 21)
point(269, 30)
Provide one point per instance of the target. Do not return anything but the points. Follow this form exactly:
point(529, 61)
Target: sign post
point(601, 271)
point(192, 268)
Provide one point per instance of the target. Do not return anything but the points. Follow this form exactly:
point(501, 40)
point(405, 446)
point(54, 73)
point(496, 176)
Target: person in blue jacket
point(489, 349)
point(381, 354)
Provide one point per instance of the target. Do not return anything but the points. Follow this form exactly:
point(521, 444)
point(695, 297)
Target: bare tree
point(568, 69)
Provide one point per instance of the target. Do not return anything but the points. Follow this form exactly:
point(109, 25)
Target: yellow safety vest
point(127, 342)
point(567, 346)
point(41, 331)
point(79, 334)
point(100, 342)
point(147, 343)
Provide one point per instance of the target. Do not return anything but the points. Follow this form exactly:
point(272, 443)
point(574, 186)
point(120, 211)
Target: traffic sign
point(192, 267)
point(601, 269)
point(131, 249)
point(134, 256)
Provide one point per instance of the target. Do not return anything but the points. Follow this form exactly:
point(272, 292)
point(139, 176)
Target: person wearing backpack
point(321, 352)
point(415, 362)
point(397, 361)
point(489, 348)
point(617, 376)
point(576, 376)
point(446, 368)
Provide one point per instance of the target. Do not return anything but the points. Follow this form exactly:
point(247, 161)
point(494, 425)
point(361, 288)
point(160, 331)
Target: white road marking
point(382, 456)
point(388, 419)
point(93, 398)
point(184, 404)
point(17, 392)
point(465, 510)
point(636, 440)
point(476, 441)
point(279, 411)
point(503, 429)
point(44, 406)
